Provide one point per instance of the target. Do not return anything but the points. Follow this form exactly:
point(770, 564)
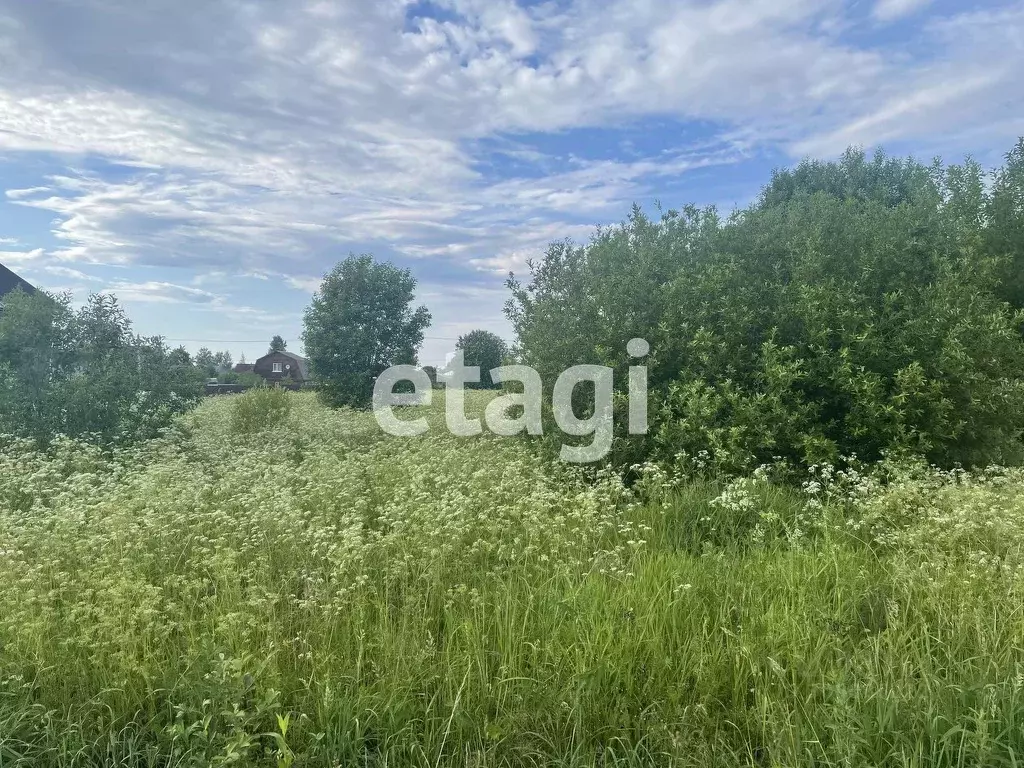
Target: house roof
point(244, 367)
point(9, 281)
point(301, 362)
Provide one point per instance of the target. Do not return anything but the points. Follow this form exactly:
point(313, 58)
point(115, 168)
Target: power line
point(264, 341)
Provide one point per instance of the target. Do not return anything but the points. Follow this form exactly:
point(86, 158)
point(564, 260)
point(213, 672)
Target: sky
point(208, 161)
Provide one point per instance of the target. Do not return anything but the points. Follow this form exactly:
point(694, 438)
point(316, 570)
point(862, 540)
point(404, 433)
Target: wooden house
point(10, 281)
point(283, 368)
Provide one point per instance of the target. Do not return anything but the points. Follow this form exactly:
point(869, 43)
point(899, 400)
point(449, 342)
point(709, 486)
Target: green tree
point(204, 362)
point(1004, 234)
point(484, 349)
point(212, 364)
point(180, 356)
point(246, 379)
point(222, 362)
point(277, 344)
point(38, 356)
point(360, 322)
point(855, 307)
point(85, 373)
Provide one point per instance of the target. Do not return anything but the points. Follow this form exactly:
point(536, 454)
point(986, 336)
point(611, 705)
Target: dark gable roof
point(301, 362)
point(9, 281)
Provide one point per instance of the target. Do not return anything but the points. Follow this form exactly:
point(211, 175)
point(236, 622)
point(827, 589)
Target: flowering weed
point(318, 593)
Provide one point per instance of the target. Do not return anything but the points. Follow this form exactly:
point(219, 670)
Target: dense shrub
point(260, 409)
point(247, 379)
point(85, 373)
point(857, 307)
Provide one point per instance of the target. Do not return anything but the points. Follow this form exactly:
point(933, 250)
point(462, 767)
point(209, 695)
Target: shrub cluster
point(861, 307)
point(84, 373)
point(259, 409)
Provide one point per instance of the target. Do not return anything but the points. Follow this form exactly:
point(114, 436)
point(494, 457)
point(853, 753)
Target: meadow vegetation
point(813, 558)
point(275, 583)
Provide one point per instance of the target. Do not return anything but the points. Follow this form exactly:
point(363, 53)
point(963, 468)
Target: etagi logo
point(599, 424)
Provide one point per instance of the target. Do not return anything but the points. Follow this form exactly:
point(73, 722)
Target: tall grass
point(324, 595)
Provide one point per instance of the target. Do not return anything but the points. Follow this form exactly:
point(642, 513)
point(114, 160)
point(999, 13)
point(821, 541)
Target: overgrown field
point(285, 585)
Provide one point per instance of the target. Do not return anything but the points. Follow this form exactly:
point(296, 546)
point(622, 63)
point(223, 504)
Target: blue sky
point(209, 162)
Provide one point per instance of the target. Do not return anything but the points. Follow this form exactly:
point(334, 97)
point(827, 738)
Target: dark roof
point(9, 281)
point(301, 362)
point(244, 367)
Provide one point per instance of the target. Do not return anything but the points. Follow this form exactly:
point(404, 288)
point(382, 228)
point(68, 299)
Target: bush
point(245, 379)
point(853, 309)
point(84, 373)
point(260, 409)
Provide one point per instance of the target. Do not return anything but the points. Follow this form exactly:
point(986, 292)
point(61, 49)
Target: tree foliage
point(484, 349)
point(248, 379)
point(1004, 233)
point(863, 306)
point(212, 364)
point(361, 322)
point(85, 373)
point(277, 344)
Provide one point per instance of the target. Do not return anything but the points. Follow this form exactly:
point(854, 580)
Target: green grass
point(319, 594)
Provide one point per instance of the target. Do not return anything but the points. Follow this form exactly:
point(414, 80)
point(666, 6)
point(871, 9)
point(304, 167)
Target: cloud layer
point(242, 137)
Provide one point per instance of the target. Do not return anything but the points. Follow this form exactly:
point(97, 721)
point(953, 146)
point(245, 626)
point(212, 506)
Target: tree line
point(85, 373)
point(865, 307)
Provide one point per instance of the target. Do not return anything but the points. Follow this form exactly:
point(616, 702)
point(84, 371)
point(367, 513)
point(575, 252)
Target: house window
point(277, 368)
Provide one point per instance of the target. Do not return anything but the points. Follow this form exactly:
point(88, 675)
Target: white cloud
point(963, 98)
point(307, 284)
point(74, 274)
point(893, 118)
point(161, 292)
point(16, 194)
point(890, 10)
point(20, 257)
point(253, 138)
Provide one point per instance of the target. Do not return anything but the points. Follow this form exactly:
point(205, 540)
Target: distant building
point(283, 367)
point(243, 367)
point(10, 281)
